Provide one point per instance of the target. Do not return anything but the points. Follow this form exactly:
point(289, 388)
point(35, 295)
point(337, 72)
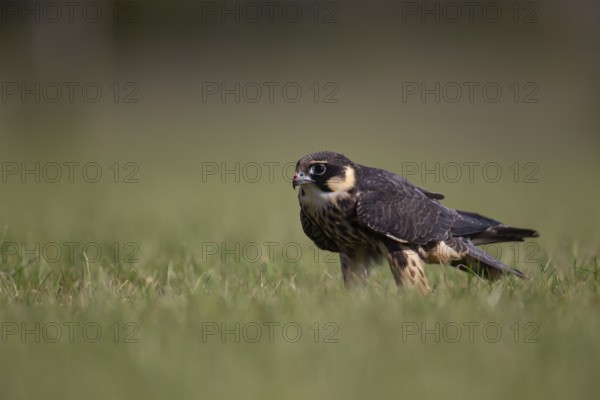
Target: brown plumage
point(368, 214)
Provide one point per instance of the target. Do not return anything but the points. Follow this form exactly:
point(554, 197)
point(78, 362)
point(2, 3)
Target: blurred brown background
point(162, 68)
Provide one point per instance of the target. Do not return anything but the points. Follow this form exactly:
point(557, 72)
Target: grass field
point(187, 314)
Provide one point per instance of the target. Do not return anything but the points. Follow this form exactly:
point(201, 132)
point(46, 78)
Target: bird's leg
point(444, 253)
point(354, 271)
point(407, 266)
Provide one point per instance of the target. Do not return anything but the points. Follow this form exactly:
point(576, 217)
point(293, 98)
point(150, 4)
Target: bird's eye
point(318, 169)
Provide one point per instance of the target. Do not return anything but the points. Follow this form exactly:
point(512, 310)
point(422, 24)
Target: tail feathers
point(483, 230)
point(482, 264)
point(503, 233)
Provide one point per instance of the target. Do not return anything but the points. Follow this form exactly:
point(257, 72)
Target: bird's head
point(326, 171)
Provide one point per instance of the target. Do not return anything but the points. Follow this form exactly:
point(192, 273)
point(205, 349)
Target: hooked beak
point(301, 179)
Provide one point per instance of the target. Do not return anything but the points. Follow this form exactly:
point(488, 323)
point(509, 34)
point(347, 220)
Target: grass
point(196, 317)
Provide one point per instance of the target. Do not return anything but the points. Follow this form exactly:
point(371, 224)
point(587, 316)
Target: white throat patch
point(313, 198)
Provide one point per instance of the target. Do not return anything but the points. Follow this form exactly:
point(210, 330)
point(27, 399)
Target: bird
point(370, 215)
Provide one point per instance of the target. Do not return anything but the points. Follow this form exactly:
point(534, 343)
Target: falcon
point(369, 215)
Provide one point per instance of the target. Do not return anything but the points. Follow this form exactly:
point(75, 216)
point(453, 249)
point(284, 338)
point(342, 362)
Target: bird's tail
point(484, 230)
point(482, 264)
point(503, 233)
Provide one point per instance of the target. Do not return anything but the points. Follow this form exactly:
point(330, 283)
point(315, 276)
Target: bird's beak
point(300, 179)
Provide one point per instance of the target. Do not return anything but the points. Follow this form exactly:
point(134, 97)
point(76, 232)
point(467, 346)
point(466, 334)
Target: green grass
point(368, 341)
point(158, 315)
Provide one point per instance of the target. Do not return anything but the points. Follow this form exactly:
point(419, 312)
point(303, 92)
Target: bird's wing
point(432, 195)
point(317, 235)
point(402, 211)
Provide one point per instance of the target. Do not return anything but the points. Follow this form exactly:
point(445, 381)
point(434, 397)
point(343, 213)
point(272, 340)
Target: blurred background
point(493, 104)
